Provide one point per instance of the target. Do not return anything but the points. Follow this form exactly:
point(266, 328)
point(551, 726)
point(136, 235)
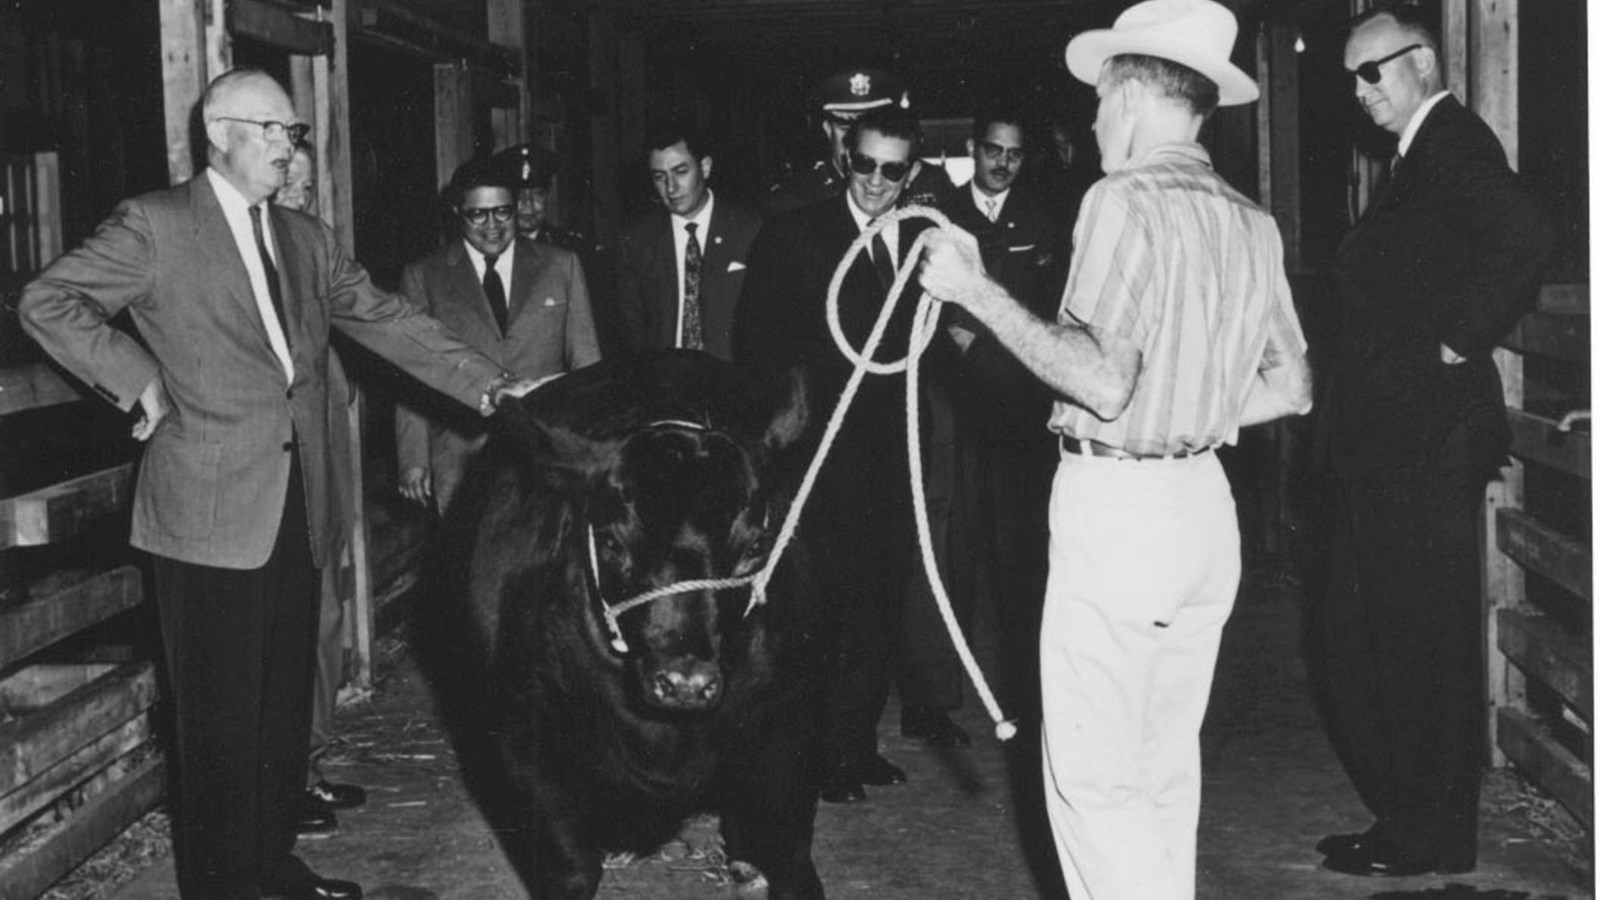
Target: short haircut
point(891, 121)
point(1411, 19)
point(479, 173)
point(1175, 81)
point(661, 134)
point(997, 115)
point(223, 86)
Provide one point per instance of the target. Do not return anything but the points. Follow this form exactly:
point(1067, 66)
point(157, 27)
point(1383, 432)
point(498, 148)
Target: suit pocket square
point(736, 266)
point(1023, 249)
point(551, 301)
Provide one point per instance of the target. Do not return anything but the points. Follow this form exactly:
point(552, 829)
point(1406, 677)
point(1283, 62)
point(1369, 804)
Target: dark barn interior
point(97, 104)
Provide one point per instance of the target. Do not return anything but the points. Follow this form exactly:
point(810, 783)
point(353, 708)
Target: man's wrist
point(488, 402)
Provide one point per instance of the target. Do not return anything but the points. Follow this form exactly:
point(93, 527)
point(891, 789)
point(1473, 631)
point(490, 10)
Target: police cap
point(526, 165)
point(849, 93)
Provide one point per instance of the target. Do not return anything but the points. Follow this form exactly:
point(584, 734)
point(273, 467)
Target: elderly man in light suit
point(524, 304)
point(233, 299)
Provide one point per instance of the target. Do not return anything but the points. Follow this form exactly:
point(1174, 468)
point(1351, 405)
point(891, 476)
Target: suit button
point(288, 446)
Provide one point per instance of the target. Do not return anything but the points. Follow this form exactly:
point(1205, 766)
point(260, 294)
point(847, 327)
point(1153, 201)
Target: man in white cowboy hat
point(1176, 328)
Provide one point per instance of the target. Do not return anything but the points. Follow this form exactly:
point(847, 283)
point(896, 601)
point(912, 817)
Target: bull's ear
point(789, 420)
point(545, 446)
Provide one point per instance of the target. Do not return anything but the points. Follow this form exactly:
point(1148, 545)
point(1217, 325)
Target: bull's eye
point(610, 543)
point(755, 555)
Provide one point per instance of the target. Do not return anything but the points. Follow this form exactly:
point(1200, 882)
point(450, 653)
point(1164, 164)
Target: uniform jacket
point(647, 280)
point(550, 329)
point(1027, 251)
point(1450, 252)
point(214, 475)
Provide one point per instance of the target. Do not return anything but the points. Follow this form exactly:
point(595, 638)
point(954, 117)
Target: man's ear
point(217, 133)
point(916, 166)
point(972, 149)
point(705, 167)
point(1426, 61)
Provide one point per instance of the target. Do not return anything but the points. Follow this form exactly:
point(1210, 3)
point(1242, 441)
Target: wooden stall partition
point(1540, 671)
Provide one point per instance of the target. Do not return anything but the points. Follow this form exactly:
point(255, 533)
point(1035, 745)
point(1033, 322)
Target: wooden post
point(183, 78)
point(219, 44)
point(452, 118)
point(508, 28)
point(1491, 45)
point(603, 119)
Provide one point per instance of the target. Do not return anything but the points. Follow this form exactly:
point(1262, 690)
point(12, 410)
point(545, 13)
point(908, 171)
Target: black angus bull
point(609, 482)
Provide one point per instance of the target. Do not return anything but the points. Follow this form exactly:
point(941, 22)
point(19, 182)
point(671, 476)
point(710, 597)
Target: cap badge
point(860, 84)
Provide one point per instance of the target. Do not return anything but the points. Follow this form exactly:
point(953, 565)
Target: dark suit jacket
point(549, 329)
point(214, 476)
point(647, 279)
point(1451, 252)
point(1026, 251)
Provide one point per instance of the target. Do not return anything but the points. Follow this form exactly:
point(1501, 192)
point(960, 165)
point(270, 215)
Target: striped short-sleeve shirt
point(1169, 257)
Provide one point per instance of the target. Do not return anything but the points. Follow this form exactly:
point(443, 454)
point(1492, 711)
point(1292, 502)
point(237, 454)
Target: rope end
point(1006, 730)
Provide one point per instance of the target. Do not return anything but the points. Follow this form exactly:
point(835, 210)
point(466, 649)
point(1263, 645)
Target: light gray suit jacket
point(212, 483)
point(549, 329)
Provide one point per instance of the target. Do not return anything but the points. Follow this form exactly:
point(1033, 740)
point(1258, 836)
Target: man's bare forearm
point(1098, 371)
point(1277, 392)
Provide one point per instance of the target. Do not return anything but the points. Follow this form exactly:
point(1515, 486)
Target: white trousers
point(1144, 566)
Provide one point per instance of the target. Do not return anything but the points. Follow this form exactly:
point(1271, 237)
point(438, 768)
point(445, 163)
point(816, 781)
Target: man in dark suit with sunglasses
point(857, 523)
point(1438, 269)
point(524, 304)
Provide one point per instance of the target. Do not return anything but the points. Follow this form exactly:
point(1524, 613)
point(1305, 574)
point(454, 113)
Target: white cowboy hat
point(1196, 33)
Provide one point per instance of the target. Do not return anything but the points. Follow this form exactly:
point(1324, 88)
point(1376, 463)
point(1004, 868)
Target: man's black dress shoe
point(338, 796)
point(879, 772)
point(314, 818)
point(840, 784)
point(1373, 860)
point(933, 726)
point(1342, 844)
point(315, 888)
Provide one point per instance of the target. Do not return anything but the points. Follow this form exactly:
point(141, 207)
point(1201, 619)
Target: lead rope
point(925, 324)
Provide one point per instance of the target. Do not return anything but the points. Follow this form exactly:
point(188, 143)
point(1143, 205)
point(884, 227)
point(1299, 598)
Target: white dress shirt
point(502, 265)
point(982, 201)
point(236, 209)
point(1413, 126)
point(891, 232)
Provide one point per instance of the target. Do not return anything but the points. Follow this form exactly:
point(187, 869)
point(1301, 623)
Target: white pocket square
point(551, 301)
point(736, 266)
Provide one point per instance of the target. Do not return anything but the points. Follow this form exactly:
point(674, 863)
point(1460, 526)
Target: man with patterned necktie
point(682, 266)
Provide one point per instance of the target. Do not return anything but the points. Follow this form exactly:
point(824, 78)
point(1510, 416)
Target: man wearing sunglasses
point(233, 299)
point(859, 518)
point(1439, 267)
point(524, 304)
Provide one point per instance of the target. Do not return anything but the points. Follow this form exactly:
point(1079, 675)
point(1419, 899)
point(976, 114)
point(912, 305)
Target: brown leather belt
point(1081, 447)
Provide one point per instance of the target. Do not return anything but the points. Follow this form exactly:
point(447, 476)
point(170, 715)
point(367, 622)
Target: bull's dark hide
point(578, 748)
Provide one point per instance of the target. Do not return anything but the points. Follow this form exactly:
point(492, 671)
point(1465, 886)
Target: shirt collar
point(702, 219)
point(1178, 151)
point(233, 202)
point(478, 259)
point(1415, 125)
point(983, 200)
point(856, 212)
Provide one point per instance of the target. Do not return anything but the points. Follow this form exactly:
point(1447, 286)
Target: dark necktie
point(495, 291)
point(274, 290)
point(882, 259)
point(692, 337)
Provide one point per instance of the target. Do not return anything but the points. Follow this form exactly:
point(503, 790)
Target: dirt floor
point(957, 830)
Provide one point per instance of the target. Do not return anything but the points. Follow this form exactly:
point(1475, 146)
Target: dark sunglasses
point(1370, 71)
point(994, 152)
point(502, 214)
point(866, 165)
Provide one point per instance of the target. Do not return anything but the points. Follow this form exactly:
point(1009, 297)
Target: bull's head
point(682, 495)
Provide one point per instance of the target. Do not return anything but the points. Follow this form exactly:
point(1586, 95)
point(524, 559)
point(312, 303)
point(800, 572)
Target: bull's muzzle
point(693, 687)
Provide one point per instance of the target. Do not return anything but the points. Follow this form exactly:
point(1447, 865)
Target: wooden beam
point(1547, 763)
point(507, 24)
point(26, 875)
point(394, 25)
point(1493, 69)
point(34, 386)
point(60, 610)
point(62, 510)
point(34, 742)
point(1563, 337)
point(1540, 549)
point(183, 78)
point(278, 27)
point(452, 119)
point(1551, 655)
point(604, 148)
point(47, 786)
point(1536, 439)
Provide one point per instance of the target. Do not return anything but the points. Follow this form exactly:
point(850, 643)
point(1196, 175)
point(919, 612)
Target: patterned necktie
point(882, 260)
point(494, 290)
point(692, 337)
point(274, 290)
point(991, 208)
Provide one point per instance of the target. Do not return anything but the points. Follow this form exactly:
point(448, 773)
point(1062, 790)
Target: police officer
point(531, 167)
point(842, 98)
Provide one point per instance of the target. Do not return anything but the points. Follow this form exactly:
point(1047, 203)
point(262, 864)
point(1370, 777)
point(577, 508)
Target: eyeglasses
point(1370, 71)
point(480, 215)
point(272, 130)
point(994, 152)
point(866, 165)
